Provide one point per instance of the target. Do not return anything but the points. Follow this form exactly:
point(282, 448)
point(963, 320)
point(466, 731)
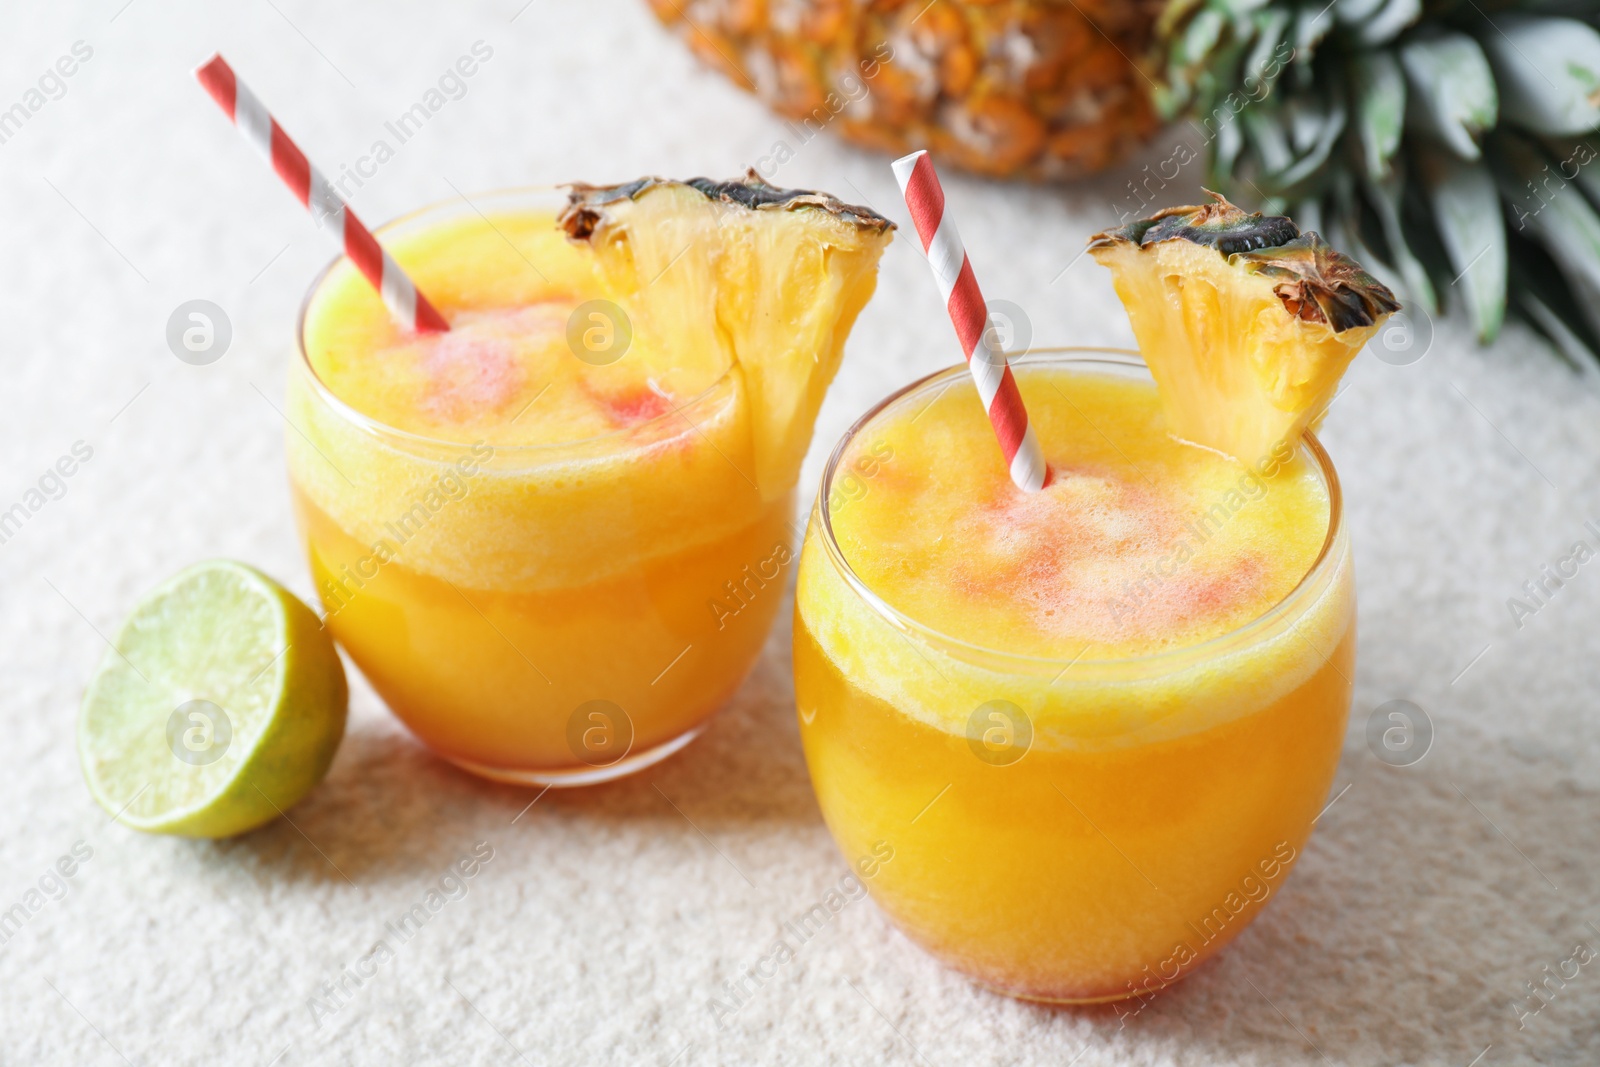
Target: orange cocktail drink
point(546, 536)
point(1095, 723)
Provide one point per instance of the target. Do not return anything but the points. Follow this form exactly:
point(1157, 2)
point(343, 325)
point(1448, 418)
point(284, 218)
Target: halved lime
point(220, 706)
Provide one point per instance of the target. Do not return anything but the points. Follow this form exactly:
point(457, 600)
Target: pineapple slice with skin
point(770, 279)
point(1247, 323)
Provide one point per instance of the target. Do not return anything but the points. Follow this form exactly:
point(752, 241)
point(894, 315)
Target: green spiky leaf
point(1572, 159)
point(1384, 196)
point(1449, 145)
point(1453, 95)
point(1541, 295)
point(1269, 52)
point(1379, 22)
point(1315, 127)
point(1559, 215)
point(1466, 209)
point(1549, 73)
point(1380, 109)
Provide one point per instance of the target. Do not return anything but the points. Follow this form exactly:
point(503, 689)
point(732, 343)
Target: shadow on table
point(391, 809)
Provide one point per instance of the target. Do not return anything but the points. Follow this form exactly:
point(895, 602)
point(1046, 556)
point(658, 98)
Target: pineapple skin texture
point(1040, 89)
point(1236, 371)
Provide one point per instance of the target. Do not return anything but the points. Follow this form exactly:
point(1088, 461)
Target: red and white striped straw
point(410, 308)
point(997, 387)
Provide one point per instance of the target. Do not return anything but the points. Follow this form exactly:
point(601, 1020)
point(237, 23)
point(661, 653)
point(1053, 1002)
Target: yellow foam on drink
point(1139, 542)
point(506, 372)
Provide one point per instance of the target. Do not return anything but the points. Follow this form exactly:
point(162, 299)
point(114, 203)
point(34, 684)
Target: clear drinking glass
point(550, 614)
point(1061, 830)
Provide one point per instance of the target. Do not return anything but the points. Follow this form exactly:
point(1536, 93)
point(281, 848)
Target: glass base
point(566, 779)
point(1069, 1001)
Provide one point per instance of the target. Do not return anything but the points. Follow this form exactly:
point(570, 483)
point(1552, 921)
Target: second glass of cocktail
point(1079, 733)
point(554, 538)
point(1091, 772)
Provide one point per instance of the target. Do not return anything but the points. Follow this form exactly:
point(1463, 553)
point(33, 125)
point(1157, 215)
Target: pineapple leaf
point(1269, 140)
point(1175, 14)
point(1450, 144)
point(1556, 331)
point(1543, 297)
point(1263, 65)
point(1384, 196)
point(1466, 211)
point(1380, 90)
point(1225, 151)
point(1452, 93)
point(1549, 73)
point(1572, 157)
point(1316, 126)
point(1200, 38)
point(1308, 215)
point(1558, 215)
point(1384, 25)
point(1311, 26)
point(1241, 10)
point(1355, 12)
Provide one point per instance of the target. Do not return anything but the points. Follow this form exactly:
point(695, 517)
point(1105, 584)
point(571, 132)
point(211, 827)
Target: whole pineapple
point(1000, 87)
point(1449, 144)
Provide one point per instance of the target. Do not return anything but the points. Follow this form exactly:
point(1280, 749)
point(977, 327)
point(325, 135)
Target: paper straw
point(997, 387)
point(410, 308)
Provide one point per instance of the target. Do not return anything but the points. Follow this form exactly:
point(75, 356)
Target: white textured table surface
point(607, 920)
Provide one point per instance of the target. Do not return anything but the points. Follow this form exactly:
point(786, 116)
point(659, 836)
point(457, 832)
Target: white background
point(609, 918)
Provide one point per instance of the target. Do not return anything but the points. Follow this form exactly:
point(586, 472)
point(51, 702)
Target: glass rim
point(381, 428)
point(1255, 627)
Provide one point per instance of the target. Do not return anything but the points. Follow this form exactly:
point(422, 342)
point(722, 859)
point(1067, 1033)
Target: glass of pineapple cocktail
point(1094, 723)
point(553, 538)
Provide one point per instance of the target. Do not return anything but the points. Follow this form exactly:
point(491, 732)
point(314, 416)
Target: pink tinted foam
point(632, 406)
point(1084, 556)
point(482, 363)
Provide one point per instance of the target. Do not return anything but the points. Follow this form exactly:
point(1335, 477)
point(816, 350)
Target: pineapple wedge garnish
point(1247, 323)
point(771, 279)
